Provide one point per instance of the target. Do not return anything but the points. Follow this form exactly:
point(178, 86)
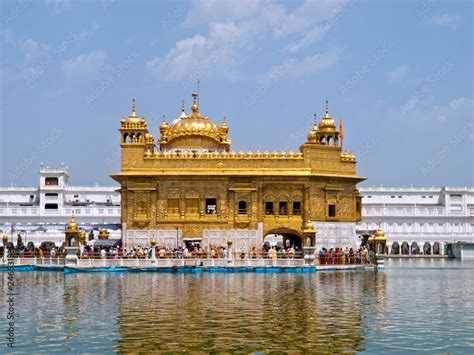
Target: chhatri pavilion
point(191, 186)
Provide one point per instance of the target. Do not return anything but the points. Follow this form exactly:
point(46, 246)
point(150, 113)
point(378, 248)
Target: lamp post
point(153, 250)
point(5, 252)
point(229, 250)
point(177, 237)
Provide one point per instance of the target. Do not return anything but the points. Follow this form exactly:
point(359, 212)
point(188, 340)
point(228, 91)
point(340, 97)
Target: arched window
point(242, 207)
point(125, 138)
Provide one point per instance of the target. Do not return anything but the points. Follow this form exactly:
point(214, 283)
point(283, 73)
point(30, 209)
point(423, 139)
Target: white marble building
point(414, 219)
point(40, 213)
point(419, 219)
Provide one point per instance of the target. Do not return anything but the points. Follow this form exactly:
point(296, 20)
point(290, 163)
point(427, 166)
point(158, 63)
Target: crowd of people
point(344, 256)
point(331, 256)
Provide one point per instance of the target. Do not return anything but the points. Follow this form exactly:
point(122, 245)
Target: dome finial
point(327, 107)
point(315, 120)
point(225, 120)
point(195, 106)
point(134, 113)
point(182, 105)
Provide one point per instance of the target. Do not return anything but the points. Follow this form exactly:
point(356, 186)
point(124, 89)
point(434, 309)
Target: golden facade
point(190, 184)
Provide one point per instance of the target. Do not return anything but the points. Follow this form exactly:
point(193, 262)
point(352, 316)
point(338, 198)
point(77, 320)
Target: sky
point(398, 73)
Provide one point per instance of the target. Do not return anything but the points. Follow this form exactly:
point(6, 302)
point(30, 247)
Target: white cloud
point(31, 49)
point(449, 20)
point(309, 13)
point(57, 6)
point(460, 109)
point(398, 74)
point(205, 11)
point(215, 53)
point(85, 63)
point(237, 27)
point(180, 59)
point(314, 35)
point(304, 67)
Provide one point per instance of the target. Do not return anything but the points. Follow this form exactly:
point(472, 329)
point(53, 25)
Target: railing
point(343, 260)
point(65, 211)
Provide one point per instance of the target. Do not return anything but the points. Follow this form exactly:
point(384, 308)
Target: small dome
point(224, 129)
point(379, 234)
point(164, 127)
point(134, 118)
point(313, 134)
point(327, 123)
point(72, 226)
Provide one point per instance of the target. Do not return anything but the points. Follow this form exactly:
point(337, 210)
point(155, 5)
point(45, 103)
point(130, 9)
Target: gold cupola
point(327, 133)
point(224, 129)
point(313, 134)
point(327, 124)
point(195, 131)
point(72, 226)
point(134, 128)
point(134, 118)
point(164, 131)
point(72, 233)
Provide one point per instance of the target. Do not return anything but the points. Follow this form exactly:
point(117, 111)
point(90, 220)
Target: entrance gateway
point(190, 185)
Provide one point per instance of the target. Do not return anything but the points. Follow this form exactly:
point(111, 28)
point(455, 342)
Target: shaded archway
point(415, 248)
point(436, 248)
point(405, 248)
point(380, 249)
point(427, 248)
point(290, 238)
point(395, 248)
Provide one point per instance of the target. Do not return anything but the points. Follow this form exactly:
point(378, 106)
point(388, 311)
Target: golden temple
point(189, 185)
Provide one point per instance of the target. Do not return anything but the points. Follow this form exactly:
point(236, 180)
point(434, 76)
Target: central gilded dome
point(194, 124)
point(193, 131)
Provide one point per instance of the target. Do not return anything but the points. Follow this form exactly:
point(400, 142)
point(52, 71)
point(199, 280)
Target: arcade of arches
point(415, 248)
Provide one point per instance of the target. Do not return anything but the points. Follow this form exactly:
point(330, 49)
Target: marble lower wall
point(336, 235)
point(243, 240)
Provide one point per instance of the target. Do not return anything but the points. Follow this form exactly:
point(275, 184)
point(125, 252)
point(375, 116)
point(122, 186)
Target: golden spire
point(134, 113)
point(195, 106)
point(182, 105)
point(327, 109)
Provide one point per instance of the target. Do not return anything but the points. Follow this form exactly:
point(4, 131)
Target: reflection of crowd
point(343, 256)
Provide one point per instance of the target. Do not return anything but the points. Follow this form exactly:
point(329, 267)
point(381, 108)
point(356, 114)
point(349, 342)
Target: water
point(414, 305)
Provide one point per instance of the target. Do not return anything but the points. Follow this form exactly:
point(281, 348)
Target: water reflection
point(247, 312)
point(417, 305)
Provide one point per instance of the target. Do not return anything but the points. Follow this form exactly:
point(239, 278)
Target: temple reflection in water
point(322, 312)
point(190, 186)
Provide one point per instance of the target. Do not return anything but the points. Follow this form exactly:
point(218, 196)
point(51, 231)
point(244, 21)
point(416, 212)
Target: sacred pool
point(413, 305)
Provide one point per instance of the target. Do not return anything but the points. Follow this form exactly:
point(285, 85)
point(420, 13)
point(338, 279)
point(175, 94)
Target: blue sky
point(398, 73)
